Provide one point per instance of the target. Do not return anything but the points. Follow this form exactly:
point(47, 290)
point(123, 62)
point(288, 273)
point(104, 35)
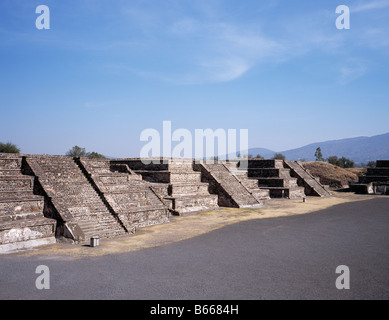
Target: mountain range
point(359, 149)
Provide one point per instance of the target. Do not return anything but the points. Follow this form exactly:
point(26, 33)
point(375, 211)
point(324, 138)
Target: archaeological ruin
point(48, 198)
point(376, 180)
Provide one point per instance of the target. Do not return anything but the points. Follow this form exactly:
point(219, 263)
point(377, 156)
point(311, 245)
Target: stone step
point(180, 189)
point(118, 202)
point(170, 177)
point(18, 234)
point(290, 193)
point(268, 172)
point(10, 172)
point(187, 204)
point(378, 172)
point(122, 188)
point(100, 171)
point(265, 164)
point(10, 163)
point(114, 179)
point(277, 182)
point(22, 206)
point(145, 217)
point(180, 166)
point(16, 183)
point(261, 194)
point(96, 163)
point(368, 179)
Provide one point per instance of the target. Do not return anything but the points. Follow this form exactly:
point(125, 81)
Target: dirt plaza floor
point(287, 249)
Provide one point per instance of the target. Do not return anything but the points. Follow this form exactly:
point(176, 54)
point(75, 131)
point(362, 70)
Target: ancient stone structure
point(126, 194)
point(376, 180)
point(176, 182)
point(22, 223)
point(80, 211)
point(239, 170)
point(270, 177)
point(79, 198)
point(311, 184)
point(229, 188)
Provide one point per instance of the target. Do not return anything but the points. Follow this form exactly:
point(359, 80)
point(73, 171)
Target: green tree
point(371, 164)
point(333, 160)
point(77, 151)
point(346, 163)
point(8, 148)
point(341, 162)
point(95, 155)
point(258, 156)
point(279, 156)
point(319, 155)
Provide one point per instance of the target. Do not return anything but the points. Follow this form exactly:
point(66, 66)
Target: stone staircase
point(230, 190)
point(83, 212)
point(251, 184)
point(312, 186)
point(22, 222)
point(124, 192)
point(271, 176)
point(175, 181)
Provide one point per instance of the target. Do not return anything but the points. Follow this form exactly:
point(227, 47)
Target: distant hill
point(360, 149)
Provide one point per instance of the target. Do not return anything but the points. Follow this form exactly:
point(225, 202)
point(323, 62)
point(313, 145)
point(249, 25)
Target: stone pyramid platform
point(230, 189)
point(176, 182)
point(376, 180)
point(126, 194)
point(81, 212)
point(22, 221)
point(267, 178)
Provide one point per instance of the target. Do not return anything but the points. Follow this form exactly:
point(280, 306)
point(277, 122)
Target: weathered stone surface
point(22, 223)
point(130, 198)
point(175, 181)
point(230, 190)
point(81, 211)
point(311, 185)
point(270, 176)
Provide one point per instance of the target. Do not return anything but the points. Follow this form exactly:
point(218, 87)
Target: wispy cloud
point(351, 71)
point(218, 51)
point(371, 5)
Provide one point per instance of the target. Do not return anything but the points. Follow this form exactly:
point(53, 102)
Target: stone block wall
point(22, 221)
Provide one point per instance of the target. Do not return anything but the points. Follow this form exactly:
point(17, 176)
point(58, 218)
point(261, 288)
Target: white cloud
point(372, 5)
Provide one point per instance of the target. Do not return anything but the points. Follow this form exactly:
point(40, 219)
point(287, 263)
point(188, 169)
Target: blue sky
point(106, 70)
